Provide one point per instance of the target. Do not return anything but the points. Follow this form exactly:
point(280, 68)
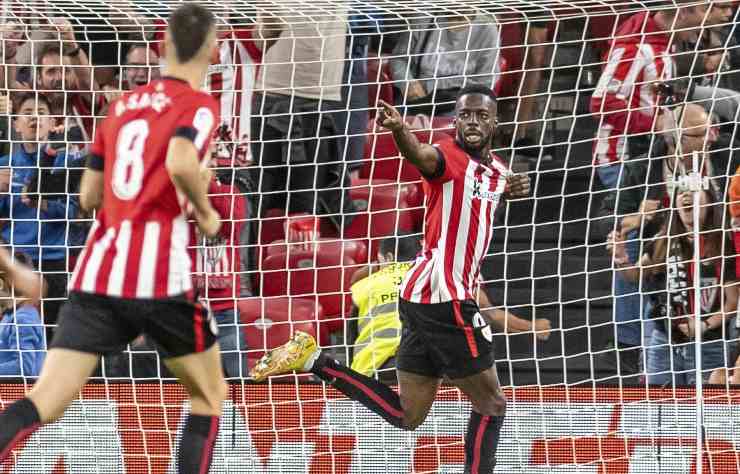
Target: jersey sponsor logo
point(478, 193)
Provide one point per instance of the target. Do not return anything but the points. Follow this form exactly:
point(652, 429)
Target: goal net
point(622, 114)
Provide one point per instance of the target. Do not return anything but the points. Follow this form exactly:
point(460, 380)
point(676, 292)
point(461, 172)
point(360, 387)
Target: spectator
point(233, 75)
point(217, 268)
point(624, 98)
point(667, 265)
point(353, 121)
point(436, 58)
point(539, 30)
point(707, 63)
point(35, 202)
point(632, 209)
point(140, 66)
point(64, 86)
point(22, 344)
point(295, 137)
point(376, 322)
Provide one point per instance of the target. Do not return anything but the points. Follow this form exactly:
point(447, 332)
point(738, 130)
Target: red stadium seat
point(354, 249)
point(389, 209)
point(272, 226)
point(269, 322)
point(318, 276)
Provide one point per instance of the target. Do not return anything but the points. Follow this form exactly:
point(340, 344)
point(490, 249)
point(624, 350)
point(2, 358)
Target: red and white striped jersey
point(217, 269)
point(138, 245)
point(232, 78)
point(624, 97)
point(457, 227)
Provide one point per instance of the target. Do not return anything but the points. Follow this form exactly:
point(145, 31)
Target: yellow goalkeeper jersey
point(378, 326)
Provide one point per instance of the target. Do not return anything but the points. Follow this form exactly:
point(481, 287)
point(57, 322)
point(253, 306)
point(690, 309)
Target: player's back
point(136, 136)
point(141, 230)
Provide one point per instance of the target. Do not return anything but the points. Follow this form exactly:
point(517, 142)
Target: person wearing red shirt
point(145, 176)
point(443, 333)
point(625, 100)
point(217, 265)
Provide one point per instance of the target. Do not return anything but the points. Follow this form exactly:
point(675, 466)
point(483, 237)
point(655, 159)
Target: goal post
point(623, 115)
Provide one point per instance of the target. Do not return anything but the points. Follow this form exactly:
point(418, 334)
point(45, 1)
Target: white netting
point(579, 87)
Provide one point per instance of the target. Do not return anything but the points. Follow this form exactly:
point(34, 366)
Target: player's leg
point(202, 375)
point(87, 328)
point(63, 375)
point(486, 419)
point(462, 340)
point(187, 338)
point(406, 410)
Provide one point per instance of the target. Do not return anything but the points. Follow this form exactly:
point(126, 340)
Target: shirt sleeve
point(446, 154)
point(197, 125)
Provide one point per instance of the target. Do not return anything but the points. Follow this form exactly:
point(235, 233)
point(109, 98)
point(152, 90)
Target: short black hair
point(477, 89)
point(37, 97)
point(189, 26)
point(404, 247)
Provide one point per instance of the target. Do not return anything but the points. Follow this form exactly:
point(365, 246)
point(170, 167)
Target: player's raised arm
point(190, 179)
point(423, 156)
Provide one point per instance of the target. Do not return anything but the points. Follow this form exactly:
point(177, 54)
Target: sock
point(17, 422)
point(375, 396)
point(481, 441)
point(196, 446)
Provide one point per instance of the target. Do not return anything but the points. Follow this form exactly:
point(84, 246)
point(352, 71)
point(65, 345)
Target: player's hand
point(389, 118)
point(517, 186)
point(542, 328)
point(209, 223)
point(649, 209)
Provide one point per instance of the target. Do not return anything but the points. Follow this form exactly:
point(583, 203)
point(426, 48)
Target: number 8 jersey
point(138, 245)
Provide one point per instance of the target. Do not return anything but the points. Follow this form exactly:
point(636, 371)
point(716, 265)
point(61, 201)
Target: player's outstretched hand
point(209, 223)
point(388, 117)
point(517, 186)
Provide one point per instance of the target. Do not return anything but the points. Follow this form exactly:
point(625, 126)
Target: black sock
point(17, 422)
point(481, 441)
point(374, 395)
point(196, 446)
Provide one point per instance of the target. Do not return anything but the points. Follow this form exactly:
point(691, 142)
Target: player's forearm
point(510, 323)
point(422, 156)
point(189, 183)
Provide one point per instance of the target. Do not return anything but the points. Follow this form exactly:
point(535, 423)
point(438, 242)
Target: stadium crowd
point(316, 204)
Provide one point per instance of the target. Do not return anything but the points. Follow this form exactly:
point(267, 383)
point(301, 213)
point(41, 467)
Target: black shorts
point(451, 339)
point(100, 324)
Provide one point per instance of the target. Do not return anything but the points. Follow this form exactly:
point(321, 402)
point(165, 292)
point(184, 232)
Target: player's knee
point(494, 405)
